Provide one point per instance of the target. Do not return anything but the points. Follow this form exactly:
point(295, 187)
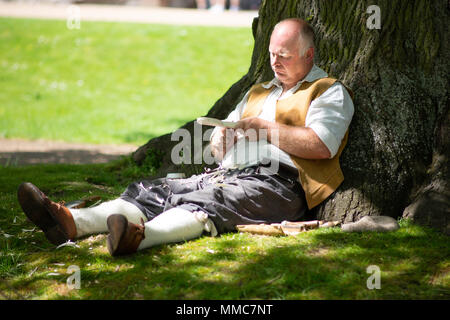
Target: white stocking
point(176, 225)
point(93, 220)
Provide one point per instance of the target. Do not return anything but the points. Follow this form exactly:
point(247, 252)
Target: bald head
point(291, 51)
point(297, 30)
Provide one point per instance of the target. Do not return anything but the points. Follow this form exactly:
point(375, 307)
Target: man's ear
point(309, 54)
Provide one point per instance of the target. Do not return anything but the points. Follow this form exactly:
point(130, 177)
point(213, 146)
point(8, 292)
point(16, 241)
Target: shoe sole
point(117, 226)
point(56, 235)
point(33, 206)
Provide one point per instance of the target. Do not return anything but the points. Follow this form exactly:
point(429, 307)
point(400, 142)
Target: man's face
point(287, 64)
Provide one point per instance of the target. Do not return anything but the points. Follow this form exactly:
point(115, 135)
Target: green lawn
point(124, 83)
point(112, 82)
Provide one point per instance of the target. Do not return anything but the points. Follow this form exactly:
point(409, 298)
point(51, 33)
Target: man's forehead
point(283, 43)
point(286, 29)
point(285, 34)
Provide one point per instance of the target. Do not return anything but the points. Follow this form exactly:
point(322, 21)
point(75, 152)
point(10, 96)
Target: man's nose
point(275, 59)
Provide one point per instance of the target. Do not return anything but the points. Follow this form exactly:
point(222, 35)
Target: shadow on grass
point(331, 265)
point(55, 157)
point(322, 265)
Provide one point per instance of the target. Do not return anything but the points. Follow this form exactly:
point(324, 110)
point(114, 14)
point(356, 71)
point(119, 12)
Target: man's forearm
point(297, 141)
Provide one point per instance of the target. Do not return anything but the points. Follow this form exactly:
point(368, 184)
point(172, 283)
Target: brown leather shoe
point(124, 237)
point(54, 219)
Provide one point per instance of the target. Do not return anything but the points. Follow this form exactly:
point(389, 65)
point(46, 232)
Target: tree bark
point(398, 150)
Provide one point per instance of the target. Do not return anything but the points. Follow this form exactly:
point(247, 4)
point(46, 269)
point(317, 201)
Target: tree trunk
point(397, 155)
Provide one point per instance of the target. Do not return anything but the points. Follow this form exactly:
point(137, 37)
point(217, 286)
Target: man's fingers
point(242, 124)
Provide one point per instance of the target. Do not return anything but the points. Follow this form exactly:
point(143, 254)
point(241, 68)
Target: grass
point(320, 264)
point(115, 83)
point(112, 82)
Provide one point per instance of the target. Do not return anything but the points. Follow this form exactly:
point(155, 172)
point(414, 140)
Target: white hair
point(305, 35)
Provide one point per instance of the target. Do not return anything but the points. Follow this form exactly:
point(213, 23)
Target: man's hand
point(252, 128)
point(222, 141)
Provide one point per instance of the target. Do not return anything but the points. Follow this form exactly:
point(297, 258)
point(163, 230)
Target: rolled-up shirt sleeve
point(330, 115)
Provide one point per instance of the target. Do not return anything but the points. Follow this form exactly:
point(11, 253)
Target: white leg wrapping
point(93, 220)
point(176, 225)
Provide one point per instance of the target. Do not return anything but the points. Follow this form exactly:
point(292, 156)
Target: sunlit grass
point(112, 82)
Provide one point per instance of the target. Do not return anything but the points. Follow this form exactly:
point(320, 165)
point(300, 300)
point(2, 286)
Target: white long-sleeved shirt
point(328, 116)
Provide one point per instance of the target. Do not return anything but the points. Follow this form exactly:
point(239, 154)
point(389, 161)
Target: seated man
point(305, 115)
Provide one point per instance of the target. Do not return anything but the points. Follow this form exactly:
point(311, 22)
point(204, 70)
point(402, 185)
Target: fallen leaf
point(68, 244)
point(33, 271)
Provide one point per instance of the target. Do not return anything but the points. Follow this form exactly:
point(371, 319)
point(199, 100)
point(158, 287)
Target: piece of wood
point(294, 228)
point(329, 224)
point(262, 229)
point(288, 228)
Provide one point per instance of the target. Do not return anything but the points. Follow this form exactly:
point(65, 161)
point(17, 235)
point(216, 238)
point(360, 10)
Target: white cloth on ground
point(372, 223)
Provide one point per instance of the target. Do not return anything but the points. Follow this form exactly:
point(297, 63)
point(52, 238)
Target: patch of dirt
point(20, 152)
